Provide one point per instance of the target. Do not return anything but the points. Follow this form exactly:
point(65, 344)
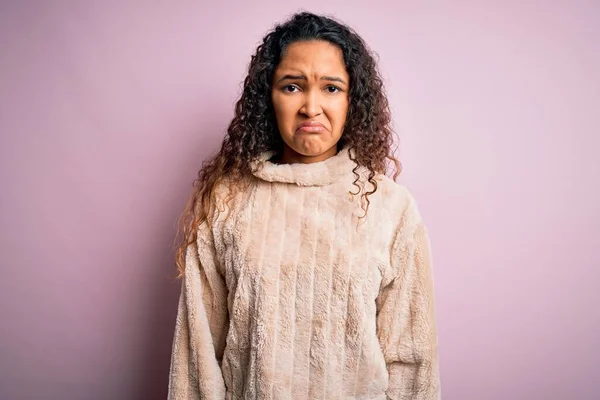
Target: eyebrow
point(302, 77)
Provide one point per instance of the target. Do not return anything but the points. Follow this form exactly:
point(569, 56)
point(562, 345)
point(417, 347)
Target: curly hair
point(253, 129)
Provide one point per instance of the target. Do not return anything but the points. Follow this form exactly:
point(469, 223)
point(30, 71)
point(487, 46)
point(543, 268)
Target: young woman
point(307, 271)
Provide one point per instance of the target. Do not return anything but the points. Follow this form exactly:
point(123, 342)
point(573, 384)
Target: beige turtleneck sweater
point(294, 296)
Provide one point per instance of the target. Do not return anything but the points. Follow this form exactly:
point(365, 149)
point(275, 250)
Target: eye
point(290, 88)
point(332, 89)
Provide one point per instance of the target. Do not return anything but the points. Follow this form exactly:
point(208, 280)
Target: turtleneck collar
point(314, 174)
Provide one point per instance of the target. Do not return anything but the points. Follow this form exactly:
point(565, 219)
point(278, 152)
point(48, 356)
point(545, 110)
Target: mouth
point(311, 127)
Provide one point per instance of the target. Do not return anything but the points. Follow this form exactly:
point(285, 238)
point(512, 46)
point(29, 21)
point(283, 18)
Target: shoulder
point(222, 199)
point(230, 197)
point(398, 201)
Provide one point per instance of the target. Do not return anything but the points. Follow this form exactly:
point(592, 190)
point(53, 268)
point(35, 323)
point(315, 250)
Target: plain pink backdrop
point(107, 110)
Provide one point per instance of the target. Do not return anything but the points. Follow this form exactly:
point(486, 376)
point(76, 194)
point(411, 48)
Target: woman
point(306, 269)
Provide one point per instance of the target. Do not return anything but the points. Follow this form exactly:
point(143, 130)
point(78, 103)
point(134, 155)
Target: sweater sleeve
point(201, 326)
point(406, 321)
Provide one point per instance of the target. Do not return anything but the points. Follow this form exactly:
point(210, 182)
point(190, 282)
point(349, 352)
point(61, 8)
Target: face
point(310, 98)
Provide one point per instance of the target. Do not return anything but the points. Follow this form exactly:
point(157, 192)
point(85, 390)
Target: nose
point(312, 106)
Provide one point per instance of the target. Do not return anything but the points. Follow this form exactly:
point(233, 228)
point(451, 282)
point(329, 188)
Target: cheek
point(284, 110)
point(339, 111)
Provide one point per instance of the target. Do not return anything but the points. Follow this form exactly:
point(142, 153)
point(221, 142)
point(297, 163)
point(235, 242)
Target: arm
point(406, 324)
point(201, 327)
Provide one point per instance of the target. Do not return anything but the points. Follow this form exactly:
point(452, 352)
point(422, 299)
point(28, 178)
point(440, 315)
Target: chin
point(312, 149)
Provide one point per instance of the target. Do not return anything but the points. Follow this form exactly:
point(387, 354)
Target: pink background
point(107, 110)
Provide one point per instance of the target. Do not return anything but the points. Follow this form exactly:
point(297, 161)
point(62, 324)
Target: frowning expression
point(310, 98)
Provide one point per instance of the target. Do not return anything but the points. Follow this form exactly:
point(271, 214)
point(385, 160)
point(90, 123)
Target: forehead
point(314, 56)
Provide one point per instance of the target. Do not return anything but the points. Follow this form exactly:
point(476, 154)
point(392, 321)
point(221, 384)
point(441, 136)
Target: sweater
point(295, 293)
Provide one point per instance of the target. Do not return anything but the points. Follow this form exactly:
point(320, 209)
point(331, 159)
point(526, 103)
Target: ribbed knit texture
point(291, 295)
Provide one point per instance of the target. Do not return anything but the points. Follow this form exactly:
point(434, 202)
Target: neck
point(290, 156)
